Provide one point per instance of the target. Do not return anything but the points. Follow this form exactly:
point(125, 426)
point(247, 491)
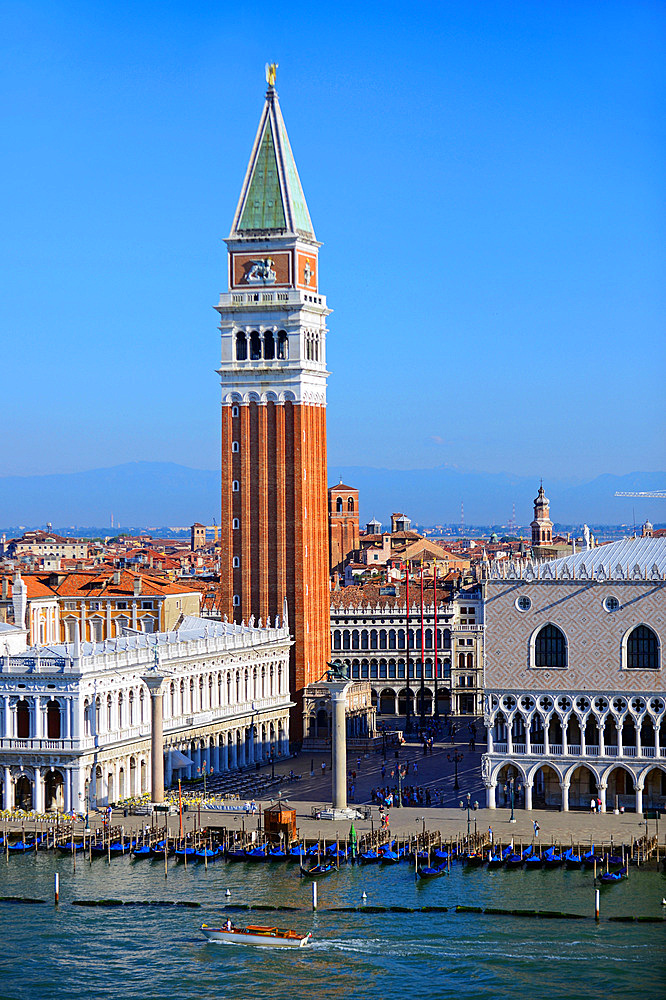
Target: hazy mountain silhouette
point(151, 493)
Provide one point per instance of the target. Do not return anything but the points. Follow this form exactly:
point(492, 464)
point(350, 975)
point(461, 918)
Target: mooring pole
point(596, 904)
point(56, 888)
point(314, 895)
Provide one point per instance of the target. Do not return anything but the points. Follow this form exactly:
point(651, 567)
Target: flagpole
point(434, 584)
point(408, 721)
point(422, 657)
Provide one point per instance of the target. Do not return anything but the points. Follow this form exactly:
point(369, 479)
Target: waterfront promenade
point(308, 794)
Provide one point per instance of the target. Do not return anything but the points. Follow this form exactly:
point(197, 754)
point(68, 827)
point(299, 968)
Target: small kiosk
point(280, 823)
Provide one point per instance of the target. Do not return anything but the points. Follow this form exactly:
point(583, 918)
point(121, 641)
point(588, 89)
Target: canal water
point(158, 952)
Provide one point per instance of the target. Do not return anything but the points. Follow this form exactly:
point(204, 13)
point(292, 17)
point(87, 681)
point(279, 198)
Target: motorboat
point(264, 937)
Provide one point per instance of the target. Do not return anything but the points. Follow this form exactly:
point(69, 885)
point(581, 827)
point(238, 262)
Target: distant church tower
point(542, 526)
point(274, 524)
point(343, 526)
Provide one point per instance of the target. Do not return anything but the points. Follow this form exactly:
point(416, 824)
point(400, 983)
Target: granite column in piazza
point(154, 685)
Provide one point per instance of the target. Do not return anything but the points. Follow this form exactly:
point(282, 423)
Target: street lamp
point(511, 783)
point(468, 802)
point(204, 769)
point(456, 756)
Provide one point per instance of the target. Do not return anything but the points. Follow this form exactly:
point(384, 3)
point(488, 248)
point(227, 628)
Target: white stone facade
point(75, 719)
point(575, 696)
point(370, 640)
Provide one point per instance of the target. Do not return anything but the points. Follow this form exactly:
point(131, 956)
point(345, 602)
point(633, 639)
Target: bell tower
point(274, 525)
point(542, 526)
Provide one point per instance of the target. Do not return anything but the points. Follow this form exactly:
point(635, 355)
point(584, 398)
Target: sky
point(487, 180)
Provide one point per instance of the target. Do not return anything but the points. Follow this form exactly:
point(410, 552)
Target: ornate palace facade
point(76, 717)
point(575, 694)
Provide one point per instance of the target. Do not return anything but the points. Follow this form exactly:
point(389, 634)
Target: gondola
point(610, 877)
point(318, 870)
point(514, 861)
point(22, 846)
point(255, 854)
point(389, 857)
point(613, 860)
point(552, 859)
point(572, 860)
point(186, 852)
point(70, 847)
point(296, 852)
point(208, 854)
point(141, 851)
point(335, 851)
point(99, 850)
point(276, 854)
point(123, 848)
point(231, 854)
point(431, 872)
point(473, 859)
point(533, 862)
point(590, 858)
point(495, 860)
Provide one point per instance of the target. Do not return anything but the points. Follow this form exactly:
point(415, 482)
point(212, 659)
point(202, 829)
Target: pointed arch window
point(642, 649)
point(550, 647)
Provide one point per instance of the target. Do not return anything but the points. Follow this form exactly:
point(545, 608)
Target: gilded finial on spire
point(271, 73)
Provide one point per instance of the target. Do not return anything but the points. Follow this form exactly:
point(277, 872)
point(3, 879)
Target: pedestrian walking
point(490, 835)
point(323, 767)
point(593, 805)
point(536, 828)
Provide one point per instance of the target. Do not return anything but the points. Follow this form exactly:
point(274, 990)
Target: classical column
point(602, 796)
point(490, 743)
point(528, 795)
point(639, 746)
point(67, 791)
point(338, 692)
point(215, 756)
point(224, 762)
point(168, 771)
point(490, 795)
point(153, 682)
point(38, 794)
point(39, 718)
point(657, 733)
point(546, 737)
point(509, 736)
point(583, 747)
point(8, 786)
point(639, 800)
point(565, 736)
point(564, 785)
point(620, 744)
point(8, 717)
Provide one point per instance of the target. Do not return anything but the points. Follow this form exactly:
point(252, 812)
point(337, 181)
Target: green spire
point(272, 199)
point(263, 207)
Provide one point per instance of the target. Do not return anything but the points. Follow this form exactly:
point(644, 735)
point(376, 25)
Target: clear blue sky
point(487, 178)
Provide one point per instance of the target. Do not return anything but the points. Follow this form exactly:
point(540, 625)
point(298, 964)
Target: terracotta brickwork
point(594, 636)
point(343, 525)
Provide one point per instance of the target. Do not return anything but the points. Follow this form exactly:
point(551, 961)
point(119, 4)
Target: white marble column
point(38, 717)
point(38, 791)
point(490, 796)
point(564, 785)
point(67, 792)
point(8, 789)
point(338, 691)
point(7, 713)
point(528, 795)
point(639, 800)
point(154, 684)
point(602, 796)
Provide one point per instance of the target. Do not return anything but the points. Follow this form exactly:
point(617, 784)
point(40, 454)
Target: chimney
point(137, 586)
point(116, 578)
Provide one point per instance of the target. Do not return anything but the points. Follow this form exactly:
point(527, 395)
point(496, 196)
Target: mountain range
point(165, 493)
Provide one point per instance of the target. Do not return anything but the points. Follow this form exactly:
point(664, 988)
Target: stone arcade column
point(153, 682)
point(528, 795)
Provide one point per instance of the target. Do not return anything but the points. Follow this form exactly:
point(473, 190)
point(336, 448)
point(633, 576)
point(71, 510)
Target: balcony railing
point(556, 748)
